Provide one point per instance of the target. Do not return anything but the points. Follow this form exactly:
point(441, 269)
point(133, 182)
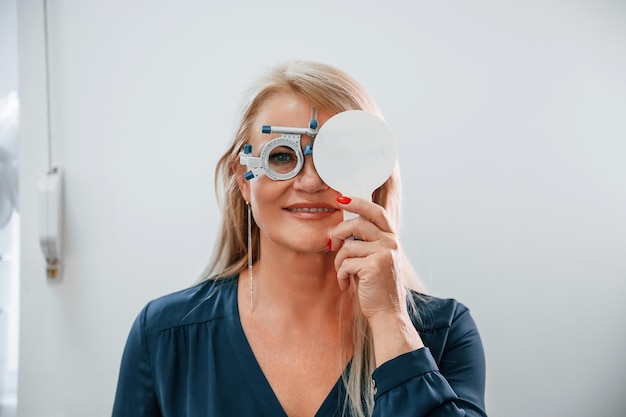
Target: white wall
point(511, 122)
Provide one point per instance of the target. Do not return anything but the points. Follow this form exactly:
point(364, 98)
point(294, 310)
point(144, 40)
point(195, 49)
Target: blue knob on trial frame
point(308, 149)
point(247, 151)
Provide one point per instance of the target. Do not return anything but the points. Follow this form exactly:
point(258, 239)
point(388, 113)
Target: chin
point(308, 242)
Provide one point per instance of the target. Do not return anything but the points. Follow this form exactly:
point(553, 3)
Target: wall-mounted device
point(51, 221)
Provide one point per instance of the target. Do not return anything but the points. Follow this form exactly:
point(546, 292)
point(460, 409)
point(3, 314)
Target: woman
point(294, 317)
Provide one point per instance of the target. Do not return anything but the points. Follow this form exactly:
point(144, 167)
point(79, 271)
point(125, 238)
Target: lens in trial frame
point(282, 158)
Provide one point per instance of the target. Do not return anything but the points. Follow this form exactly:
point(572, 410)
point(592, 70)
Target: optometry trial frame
point(281, 158)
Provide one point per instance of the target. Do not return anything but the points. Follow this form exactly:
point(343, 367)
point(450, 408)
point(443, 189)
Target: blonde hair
point(335, 91)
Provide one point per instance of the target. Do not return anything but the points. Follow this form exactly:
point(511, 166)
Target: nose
point(307, 179)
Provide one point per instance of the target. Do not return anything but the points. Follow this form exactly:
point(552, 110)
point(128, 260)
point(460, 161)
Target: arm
point(413, 384)
point(409, 380)
point(135, 396)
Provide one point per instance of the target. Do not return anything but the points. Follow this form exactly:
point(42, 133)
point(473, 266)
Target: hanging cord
point(47, 67)
point(250, 284)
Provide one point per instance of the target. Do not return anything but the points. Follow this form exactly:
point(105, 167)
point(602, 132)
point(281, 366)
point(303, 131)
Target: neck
point(302, 286)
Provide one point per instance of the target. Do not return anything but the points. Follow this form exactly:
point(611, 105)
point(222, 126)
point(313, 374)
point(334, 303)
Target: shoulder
point(209, 300)
point(435, 313)
point(444, 323)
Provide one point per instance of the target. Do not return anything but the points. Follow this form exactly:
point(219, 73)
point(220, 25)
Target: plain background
point(511, 122)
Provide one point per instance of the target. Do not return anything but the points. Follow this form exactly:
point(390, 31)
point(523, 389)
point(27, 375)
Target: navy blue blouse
point(187, 356)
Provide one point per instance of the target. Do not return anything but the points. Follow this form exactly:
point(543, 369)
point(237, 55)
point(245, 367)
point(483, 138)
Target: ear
point(242, 183)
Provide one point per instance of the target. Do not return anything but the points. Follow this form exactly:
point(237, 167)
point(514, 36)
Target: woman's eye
point(282, 157)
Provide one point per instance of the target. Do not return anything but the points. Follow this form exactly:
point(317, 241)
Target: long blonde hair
point(333, 90)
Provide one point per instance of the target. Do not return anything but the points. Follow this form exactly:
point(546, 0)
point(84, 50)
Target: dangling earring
point(250, 284)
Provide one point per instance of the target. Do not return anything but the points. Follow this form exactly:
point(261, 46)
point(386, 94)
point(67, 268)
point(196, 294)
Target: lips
point(311, 209)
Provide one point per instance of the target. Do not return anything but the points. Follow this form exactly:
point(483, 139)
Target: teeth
point(312, 209)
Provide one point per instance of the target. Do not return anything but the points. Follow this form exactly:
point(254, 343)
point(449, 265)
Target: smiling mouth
point(312, 210)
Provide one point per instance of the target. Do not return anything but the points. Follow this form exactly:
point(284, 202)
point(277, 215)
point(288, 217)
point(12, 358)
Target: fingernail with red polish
point(344, 200)
point(330, 244)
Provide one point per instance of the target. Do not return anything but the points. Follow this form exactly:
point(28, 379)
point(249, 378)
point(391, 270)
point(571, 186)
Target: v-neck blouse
point(187, 356)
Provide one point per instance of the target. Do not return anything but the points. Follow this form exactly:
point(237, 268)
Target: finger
point(358, 228)
point(343, 280)
point(367, 209)
point(376, 263)
point(347, 274)
point(352, 249)
point(362, 249)
point(357, 272)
